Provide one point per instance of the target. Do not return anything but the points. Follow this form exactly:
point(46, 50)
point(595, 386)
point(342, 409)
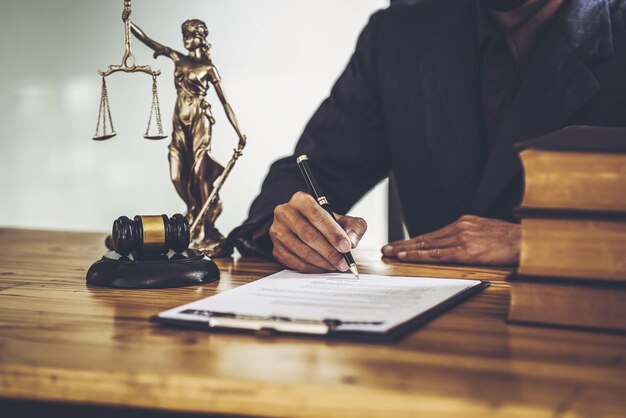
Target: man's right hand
point(307, 239)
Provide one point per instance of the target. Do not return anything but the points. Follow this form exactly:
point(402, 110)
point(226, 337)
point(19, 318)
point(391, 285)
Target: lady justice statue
point(193, 170)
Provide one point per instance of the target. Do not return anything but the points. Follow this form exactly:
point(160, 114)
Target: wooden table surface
point(61, 340)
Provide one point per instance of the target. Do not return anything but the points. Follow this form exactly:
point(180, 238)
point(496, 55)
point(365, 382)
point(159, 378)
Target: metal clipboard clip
point(269, 325)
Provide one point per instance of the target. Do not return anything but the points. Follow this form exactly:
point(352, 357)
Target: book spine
point(578, 249)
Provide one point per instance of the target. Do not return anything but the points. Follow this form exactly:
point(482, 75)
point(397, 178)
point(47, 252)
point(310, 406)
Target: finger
point(307, 233)
point(290, 260)
point(322, 221)
point(446, 231)
point(288, 239)
point(437, 255)
point(445, 242)
point(354, 227)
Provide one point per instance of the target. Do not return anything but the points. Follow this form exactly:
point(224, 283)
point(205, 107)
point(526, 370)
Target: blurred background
point(278, 60)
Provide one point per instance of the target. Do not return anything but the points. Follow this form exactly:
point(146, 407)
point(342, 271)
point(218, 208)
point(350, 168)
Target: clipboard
point(325, 329)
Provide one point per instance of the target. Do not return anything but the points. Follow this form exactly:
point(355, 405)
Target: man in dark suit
point(438, 93)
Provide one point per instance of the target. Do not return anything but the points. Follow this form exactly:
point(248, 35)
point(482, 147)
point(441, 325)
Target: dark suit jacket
point(409, 102)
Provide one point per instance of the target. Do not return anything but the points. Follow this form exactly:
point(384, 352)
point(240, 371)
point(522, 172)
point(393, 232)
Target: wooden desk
point(63, 341)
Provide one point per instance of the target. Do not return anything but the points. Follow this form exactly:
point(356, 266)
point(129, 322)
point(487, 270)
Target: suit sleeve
point(345, 141)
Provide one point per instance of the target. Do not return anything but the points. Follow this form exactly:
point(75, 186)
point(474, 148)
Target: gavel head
point(150, 234)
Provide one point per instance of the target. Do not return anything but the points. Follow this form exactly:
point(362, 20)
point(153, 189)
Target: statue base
point(213, 249)
point(151, 272)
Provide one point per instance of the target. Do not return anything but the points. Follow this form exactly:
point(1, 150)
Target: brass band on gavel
point(153, 233)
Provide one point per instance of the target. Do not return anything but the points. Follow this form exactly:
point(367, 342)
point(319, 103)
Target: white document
point(371, 303)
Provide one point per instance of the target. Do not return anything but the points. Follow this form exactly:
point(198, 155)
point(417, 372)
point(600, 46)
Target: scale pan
point(155, 137)
point(103, 137)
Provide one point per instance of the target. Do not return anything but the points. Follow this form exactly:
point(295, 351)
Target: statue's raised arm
point(158, 48)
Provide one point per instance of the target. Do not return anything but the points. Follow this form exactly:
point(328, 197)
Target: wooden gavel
point(150, 234)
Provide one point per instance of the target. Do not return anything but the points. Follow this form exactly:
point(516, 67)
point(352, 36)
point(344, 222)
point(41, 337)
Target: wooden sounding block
point(150, 272)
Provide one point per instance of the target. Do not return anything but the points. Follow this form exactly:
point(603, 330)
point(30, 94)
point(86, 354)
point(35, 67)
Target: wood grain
point(61, 340)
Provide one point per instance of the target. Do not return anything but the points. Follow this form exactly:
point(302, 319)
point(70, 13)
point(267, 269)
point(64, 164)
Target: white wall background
point(278, 60)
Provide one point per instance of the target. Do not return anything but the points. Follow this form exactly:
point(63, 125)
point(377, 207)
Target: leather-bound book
point(573, 245)
point(593, 304)
point(577, 167)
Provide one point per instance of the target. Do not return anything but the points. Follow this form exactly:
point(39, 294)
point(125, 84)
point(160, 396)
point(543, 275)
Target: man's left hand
point(468, 240)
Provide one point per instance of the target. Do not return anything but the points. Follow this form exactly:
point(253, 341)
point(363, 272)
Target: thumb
point(354, 227)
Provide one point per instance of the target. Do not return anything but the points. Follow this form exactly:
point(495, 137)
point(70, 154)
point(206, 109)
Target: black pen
point(305, 169)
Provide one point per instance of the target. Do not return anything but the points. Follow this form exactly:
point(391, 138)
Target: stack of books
point(572, 269)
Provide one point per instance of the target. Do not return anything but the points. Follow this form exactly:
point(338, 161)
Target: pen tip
point(354, 270)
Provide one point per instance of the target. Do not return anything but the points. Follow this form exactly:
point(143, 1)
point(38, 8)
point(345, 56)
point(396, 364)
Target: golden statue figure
point(193, 170)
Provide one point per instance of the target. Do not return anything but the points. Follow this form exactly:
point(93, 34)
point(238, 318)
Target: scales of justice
point(196, 175)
